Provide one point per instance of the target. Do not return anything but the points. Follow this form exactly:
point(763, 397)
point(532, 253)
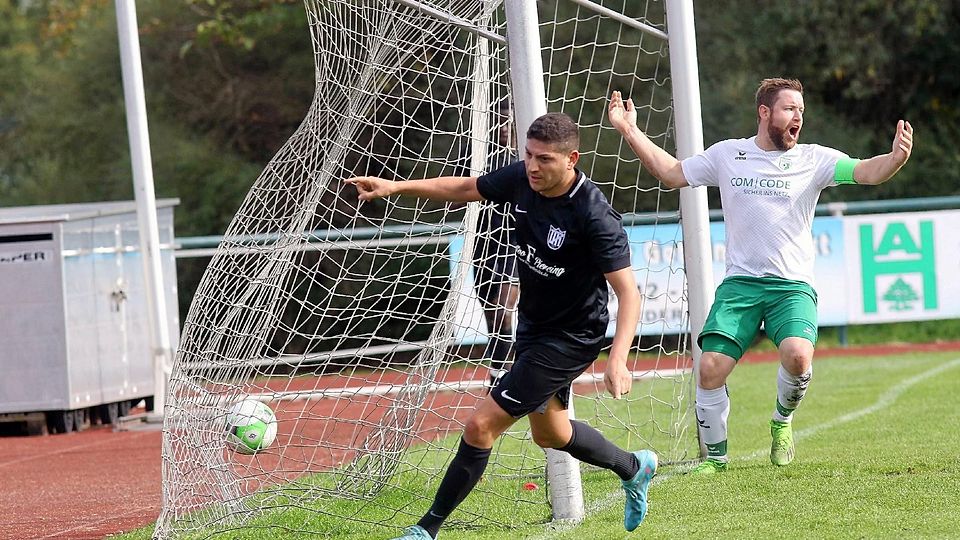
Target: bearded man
point(769, 185)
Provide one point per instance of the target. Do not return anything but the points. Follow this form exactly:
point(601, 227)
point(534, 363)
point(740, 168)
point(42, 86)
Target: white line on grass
point(887, 399)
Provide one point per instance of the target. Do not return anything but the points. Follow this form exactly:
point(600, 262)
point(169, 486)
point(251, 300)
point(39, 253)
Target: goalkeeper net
point(360, 325)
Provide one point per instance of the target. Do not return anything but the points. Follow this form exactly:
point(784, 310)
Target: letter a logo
point(555, 237)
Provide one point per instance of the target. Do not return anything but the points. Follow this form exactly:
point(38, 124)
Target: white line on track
point(439, 386)
point(64, 450)
point(139, 511)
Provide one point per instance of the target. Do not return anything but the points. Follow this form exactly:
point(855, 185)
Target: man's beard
point(778, 138)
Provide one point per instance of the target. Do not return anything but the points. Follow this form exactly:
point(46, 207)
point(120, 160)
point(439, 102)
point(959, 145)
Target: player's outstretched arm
point(663, 166)
point(444, 188)
point(879, 169)
point(617, 378)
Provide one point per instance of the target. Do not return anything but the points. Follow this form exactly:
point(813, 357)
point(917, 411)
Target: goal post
point(529, 95)
point(693, 201)
point(526, 75)
point(359, 324)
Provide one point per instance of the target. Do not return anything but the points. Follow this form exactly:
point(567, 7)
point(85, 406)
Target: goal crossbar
point(453, 20)
point(621, 18)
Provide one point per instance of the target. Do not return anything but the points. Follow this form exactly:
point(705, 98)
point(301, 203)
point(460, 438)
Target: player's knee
point(475, 428)
point(796, 355)
point(714, 369)
point(479, 431)
point(720, 355)
point(549, 440)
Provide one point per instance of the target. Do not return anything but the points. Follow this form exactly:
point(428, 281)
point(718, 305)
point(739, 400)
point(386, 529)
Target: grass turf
point(876, 458)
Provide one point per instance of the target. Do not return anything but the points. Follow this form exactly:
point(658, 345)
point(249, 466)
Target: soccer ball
point(251, 426)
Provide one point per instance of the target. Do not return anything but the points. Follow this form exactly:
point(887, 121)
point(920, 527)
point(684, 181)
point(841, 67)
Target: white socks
point(790, 390)
point(713, 408)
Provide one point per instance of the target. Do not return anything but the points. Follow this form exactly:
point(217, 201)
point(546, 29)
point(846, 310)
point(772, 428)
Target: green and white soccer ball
point(251, 426)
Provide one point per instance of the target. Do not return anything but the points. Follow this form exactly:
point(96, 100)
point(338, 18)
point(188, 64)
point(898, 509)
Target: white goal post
point(359, 324)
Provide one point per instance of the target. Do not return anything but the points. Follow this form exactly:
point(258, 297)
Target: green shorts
point(787, 308)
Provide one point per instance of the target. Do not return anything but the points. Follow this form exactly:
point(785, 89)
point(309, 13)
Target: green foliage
point(864, 66)
point(237, 73)
point(237, 23)
point(67, 140)
point(228, 82)
point(63, 126)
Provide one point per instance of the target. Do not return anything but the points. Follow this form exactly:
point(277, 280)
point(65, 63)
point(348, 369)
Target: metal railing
point(326, 239)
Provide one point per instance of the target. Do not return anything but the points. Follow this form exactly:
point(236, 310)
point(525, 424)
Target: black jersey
point(565, 245)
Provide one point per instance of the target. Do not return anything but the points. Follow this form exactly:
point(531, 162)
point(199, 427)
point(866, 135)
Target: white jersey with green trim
point(768, 200)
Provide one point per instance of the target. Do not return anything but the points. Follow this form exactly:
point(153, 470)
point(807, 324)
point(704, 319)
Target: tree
point(228, 82)
point(864, 65)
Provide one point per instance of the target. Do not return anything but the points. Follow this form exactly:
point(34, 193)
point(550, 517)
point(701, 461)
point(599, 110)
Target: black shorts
point(540, 372)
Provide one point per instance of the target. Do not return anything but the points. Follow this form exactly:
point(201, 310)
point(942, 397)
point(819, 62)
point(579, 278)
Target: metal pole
point(136, 110)
point(694, 212)
point(530, 98)
point(526, 66)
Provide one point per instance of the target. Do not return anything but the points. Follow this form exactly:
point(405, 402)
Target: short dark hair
point(557, 129)
point(769, 89)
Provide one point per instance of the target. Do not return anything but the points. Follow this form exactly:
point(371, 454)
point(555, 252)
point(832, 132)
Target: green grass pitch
point(877, 457)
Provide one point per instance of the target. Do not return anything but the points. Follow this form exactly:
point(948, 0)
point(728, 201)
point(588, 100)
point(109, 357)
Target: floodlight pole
point(136, 110)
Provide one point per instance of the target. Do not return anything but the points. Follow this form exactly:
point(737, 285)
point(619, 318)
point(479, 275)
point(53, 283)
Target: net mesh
point(359, 323)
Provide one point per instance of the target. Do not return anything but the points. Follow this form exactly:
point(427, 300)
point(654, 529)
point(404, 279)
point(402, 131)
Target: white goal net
point(359, 324)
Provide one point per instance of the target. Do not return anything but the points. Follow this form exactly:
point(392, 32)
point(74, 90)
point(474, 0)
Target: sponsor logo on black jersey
point(528, 255)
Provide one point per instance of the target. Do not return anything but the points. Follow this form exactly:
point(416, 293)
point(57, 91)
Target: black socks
point(462, 475)
point(590, 446)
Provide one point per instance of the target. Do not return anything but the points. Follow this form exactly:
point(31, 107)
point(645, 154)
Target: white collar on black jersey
point(581, 178)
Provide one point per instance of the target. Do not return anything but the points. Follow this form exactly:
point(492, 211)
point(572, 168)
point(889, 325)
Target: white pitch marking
point(885, 401)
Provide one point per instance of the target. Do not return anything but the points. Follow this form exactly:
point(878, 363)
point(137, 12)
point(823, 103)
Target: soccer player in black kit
point(570, 244)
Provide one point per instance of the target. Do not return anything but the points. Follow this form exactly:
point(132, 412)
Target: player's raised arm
point(617, 377)
point(879, 169)
point(663, 166)
point(444, 188)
